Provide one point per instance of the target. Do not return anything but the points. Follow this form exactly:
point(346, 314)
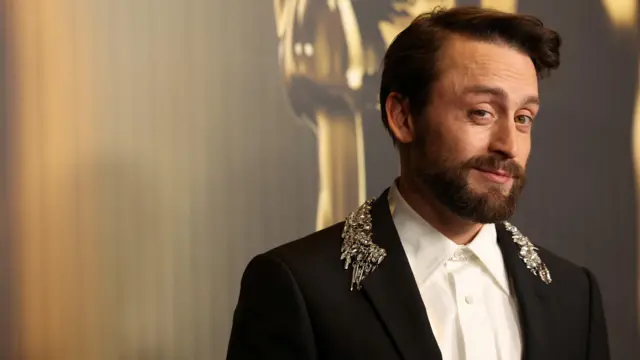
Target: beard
point(448, 181)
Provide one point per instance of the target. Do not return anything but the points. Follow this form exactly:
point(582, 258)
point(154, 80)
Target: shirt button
point(468, 299)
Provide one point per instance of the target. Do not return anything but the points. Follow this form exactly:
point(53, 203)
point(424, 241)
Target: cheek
point(451, 139)
point(471, 141)
point(524, 150)
point(453, 150)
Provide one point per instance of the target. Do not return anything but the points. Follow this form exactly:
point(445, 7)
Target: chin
point(493, 190)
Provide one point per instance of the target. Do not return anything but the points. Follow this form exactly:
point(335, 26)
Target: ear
point(400, 119)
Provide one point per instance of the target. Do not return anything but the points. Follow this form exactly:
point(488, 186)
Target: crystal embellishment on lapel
point(358, 250)
point(529, 254)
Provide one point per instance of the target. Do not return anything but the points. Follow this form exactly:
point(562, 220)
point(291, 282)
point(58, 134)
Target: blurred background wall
point(150, 148)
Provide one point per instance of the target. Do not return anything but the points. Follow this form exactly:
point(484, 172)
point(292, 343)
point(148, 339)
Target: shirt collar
point(427, 249)
point(485, 247)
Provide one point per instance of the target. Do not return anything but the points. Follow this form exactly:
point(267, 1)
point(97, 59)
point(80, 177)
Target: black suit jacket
point(295, 303)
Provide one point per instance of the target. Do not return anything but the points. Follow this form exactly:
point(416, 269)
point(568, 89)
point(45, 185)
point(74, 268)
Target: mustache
point(495, 163)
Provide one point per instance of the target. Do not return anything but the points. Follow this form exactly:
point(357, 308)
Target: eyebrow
point(499, 92)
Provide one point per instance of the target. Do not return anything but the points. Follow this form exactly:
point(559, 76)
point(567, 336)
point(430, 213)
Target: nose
point(504, 139)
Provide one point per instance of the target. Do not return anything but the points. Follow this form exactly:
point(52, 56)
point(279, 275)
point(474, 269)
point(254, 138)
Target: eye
point(479, 114)
point(523, 119)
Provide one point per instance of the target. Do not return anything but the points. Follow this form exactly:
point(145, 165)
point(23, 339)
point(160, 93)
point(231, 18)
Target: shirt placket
point(475, 328)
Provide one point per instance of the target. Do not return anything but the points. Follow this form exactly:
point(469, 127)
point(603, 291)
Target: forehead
point(464, 62)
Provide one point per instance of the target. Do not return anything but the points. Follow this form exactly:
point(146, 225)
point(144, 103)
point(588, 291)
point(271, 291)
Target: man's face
point(471, 145)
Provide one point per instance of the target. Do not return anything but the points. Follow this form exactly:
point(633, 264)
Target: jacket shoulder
point(320, 249)
point(564, 271)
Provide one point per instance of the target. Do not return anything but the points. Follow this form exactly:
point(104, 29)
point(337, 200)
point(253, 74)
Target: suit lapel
point(394, 294)
point(530, 292)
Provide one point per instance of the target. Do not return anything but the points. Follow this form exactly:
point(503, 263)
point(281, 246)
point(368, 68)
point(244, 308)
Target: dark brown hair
point(410, 63)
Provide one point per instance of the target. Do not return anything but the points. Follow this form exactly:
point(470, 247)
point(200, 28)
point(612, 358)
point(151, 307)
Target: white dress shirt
point(465, 289)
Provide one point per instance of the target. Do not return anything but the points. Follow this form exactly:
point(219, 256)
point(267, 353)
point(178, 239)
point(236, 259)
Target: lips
point(499, 176)
point(499, 172)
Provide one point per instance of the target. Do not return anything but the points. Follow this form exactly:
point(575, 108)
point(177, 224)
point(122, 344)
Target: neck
point(460, 231)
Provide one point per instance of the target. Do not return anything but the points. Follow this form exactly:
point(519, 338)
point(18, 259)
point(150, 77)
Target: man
point(431, 269)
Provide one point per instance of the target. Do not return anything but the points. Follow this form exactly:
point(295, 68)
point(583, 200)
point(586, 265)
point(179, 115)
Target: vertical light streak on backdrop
point(57, 287)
